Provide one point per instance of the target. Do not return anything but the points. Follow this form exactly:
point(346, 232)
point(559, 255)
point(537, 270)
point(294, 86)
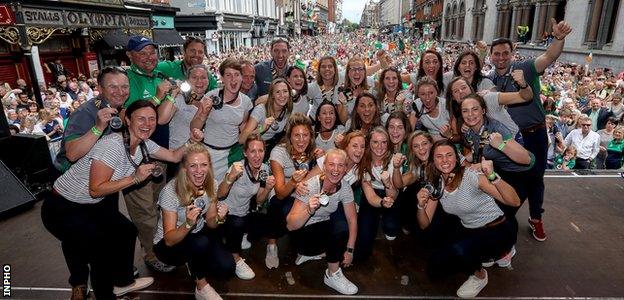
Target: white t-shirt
point(222, 126)
point(343, 195)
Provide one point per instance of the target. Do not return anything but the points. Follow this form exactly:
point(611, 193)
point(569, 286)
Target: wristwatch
point(349, 250)
point(187, 225)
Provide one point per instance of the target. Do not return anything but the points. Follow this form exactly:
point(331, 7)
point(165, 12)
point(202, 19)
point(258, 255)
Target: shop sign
point(163, 22)
point(69, 18)
point(6, 15)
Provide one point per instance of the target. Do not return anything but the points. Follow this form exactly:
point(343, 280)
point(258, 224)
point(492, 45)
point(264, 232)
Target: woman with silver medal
point(247, 180)
point(311, 221)
point(189, 207)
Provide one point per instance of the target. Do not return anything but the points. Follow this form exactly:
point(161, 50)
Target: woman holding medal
point(311, 222)
point(188, 207)
point(290, 162)
point(471, 195)
point(223, 113)
point(269, 119)
point(244, 180)
point(77, 212)
point(375, 171)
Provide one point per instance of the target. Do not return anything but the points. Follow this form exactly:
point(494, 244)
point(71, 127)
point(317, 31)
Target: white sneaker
point(390, 238)
point(504, 261)
point(472, 286)
point(340, 283)
point(138, 284)
point(207, 293)
point(243, 271)
point(271, 260)
point(303, 258)
point(245, 244)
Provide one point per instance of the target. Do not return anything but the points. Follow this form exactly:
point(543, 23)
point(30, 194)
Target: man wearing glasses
point(587, 143)
point(194, 54)
point(529, 116)
point(269, 70)
point(86, 126)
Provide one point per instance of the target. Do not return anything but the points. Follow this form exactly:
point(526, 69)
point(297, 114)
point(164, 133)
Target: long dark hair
point(478, 76)
point(356, 121)
point(304, 88)
point(433, 174)
point(438, 75)
point(381, 88)
point(452, 105)
point(367, 160)
point(401, 116)
point(317, 124)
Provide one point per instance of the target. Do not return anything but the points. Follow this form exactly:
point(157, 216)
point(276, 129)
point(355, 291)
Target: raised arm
point(560, 31)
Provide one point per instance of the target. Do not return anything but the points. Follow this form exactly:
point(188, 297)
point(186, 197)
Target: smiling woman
point(83, 209)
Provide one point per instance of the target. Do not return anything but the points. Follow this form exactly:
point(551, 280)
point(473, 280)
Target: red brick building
point(428, 16)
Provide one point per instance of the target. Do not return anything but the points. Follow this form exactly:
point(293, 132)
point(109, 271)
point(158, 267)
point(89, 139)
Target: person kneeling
point(317, 222)
point(188, 203)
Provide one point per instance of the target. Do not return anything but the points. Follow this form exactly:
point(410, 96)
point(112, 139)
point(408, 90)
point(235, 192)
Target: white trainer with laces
point(472, 287)
point(138, 284)
point(271, 260)
point(245, 244)
point(390, 238)
point(243, 271)
point(340, 283)
point(207, 293)
point(303, 258)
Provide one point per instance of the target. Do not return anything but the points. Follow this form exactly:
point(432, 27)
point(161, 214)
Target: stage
point(583, 257)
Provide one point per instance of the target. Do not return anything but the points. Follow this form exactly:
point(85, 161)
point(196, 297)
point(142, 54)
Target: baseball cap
point(138, 42)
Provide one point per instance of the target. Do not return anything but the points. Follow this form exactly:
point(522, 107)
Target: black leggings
point(329, 236)
point(203, 252)
point(97, 234)
point(368, 222)
point(233, 231)
point(276, 214)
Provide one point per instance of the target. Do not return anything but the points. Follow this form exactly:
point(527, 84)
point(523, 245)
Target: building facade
point(390, 12)
point(371, 15)
point(227, 24)
point(595, 24)
point(84, 35)
point(428, 17)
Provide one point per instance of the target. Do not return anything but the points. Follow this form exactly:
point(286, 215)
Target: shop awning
point(167, 38)
point(116, 39)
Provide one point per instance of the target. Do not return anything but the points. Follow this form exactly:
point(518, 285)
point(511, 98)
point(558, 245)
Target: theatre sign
point(70, 18)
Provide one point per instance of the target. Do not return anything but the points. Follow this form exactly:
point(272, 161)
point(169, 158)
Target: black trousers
point(204, 253)
point(329, 236)
point(94, 234)
point(471, 248)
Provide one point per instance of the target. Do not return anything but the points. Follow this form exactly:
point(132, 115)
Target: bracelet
point(170, 99)
point(421, 207)
point(261, 129)
point(188, 143)
point(156, 100)
point(502, 146)
point(227, 180)
point(96, 131)
point(526, 85)
point(381, 203)
point(559, 39)
point(219, 221)
point(492, 176)
point(135, 179)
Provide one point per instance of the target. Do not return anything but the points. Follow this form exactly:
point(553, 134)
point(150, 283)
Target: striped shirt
point(73, 185)
point(474, 207)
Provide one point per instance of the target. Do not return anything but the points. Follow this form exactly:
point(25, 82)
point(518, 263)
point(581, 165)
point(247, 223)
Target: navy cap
point(138, 42)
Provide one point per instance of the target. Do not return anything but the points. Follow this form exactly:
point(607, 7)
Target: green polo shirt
point(176, 70)
point(142, 86)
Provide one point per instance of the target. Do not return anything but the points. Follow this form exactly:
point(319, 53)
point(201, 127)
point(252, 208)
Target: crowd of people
point(321, 139)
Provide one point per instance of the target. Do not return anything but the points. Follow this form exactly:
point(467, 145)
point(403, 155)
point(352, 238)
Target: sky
point(352, 9)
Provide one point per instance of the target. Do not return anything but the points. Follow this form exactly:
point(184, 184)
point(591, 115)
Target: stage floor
point(583, 257)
